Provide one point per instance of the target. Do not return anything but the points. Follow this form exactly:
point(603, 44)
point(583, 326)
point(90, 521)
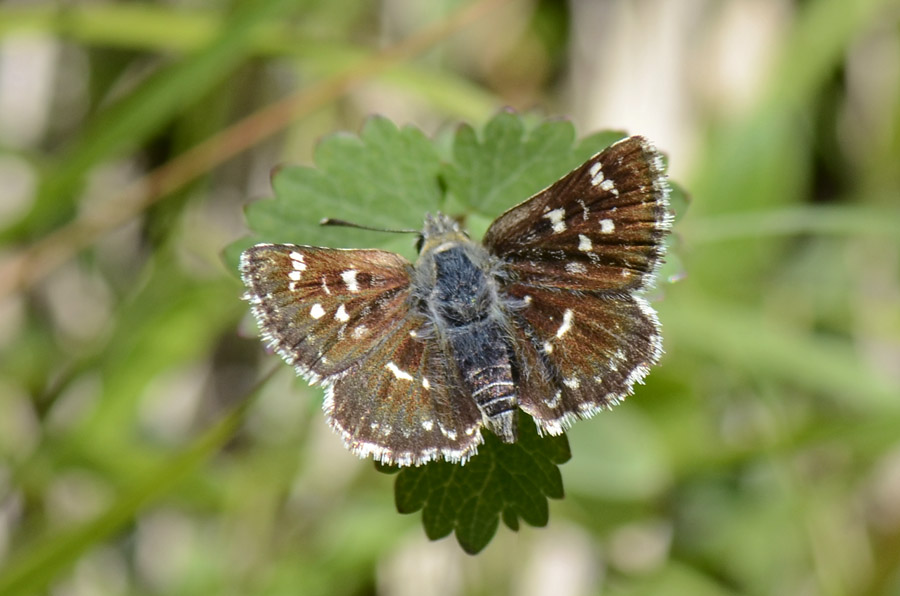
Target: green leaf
point(509, 162)
point(595, 143)
point(512, 481)
point(387, 177)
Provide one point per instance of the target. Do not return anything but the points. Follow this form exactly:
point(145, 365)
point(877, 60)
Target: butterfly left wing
point(402, 405)
point(342, 318)
point(574, 258)
point(322, 309)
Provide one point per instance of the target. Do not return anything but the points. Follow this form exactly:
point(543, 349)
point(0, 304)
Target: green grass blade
point(831, 220)
point(743, 339)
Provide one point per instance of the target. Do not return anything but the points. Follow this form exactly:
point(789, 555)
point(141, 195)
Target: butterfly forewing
point(323, 309)
point(599, 228)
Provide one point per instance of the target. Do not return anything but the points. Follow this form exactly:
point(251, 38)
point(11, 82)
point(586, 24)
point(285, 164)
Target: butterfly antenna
point(347, 224)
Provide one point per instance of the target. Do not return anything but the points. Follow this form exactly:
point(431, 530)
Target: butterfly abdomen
point(483, 361)
point(463, 303)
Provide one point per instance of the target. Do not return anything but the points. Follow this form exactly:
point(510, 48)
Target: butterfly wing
point(581, 354)
point(403, 405)
point(321, 309)
point(575, 257)
point(599, 228)
point(342, 318)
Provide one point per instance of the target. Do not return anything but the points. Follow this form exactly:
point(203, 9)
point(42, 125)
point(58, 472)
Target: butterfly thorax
point(459, 293)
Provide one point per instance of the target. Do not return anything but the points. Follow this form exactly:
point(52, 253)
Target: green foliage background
point(145, 448)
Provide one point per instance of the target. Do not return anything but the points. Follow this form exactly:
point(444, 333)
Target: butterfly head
point(440, 230)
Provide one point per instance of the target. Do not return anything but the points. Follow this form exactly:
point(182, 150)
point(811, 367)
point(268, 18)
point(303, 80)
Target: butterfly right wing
point(579, 355)
point(576, 257)
point(342, 318)
point(599, 228)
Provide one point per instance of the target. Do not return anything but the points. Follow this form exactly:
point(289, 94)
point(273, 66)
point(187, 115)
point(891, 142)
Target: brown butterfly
point(546, 315)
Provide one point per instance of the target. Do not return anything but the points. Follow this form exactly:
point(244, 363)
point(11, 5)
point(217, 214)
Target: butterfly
point(545, 315)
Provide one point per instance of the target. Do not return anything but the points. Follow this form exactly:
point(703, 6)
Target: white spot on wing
point(554, 402)
point(607, 185)
point(584, 243)
point(398, 372)
point(426, 385)
point(572, 383)
point(447, 432)
point(427, 424)
point(349, 277)
point(295, 275)
point(556, 218)
point(596, 174)
point(548, 347)
point(576, 267)
point(341, 314)
point(298, 261)
point(607, 226)
point(359, 331)
point(566, 324)
point(317, 312)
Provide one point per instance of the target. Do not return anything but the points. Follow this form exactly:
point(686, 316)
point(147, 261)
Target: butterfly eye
point(420, 242)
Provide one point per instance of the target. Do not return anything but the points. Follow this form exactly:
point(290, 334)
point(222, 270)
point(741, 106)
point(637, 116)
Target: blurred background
point(761, 457)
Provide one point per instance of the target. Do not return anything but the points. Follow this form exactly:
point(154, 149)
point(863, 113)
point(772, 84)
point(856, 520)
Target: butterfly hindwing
point(599, 228)
point(403, 405)
point(580, 354)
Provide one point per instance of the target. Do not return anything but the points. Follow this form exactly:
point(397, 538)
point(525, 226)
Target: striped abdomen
point(483, 361)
